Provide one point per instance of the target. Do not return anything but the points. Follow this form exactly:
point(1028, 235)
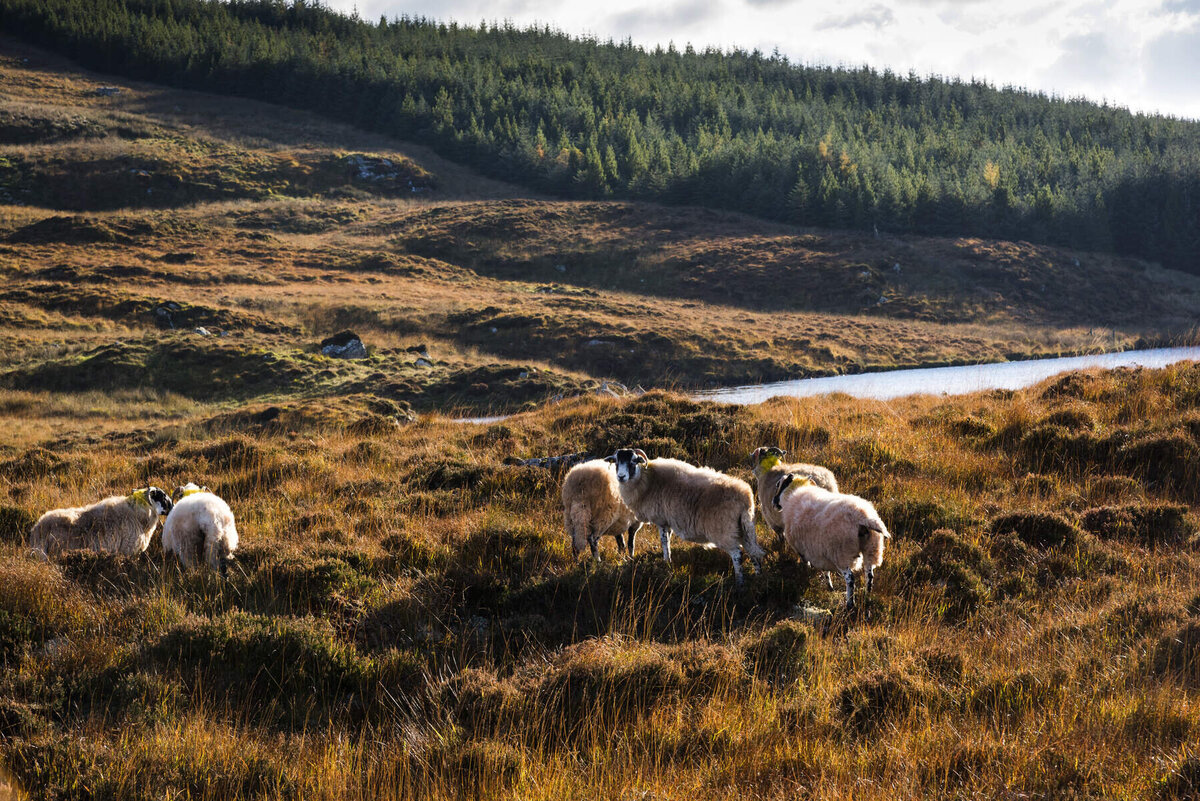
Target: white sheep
point(697, 503)
point(592, 508)
point(831, 531)
point(119, 524)
point(200, 528)
point(769, 468)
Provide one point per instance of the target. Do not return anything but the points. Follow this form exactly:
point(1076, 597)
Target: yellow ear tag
point(193, 491)
point(140, 497)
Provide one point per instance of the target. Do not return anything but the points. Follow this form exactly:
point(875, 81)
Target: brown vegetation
point(407, 619)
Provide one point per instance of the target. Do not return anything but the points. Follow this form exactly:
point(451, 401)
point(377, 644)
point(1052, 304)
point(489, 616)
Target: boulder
point(344, 345)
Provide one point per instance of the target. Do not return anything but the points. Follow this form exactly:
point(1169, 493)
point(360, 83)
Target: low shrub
point(882, 699)
point(1038, 529)
point(1177, 655)
point(1145, 524)
point(778, 654)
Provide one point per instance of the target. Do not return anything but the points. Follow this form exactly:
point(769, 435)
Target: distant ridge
point(816, 146)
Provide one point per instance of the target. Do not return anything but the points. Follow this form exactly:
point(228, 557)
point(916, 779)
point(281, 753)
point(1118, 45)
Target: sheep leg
point(870, 579)
point(593, 543)
point(829, 579)
point(736, 556)
point(848, 575)
point(633, 530)
point(664, 536)
point(620, 542)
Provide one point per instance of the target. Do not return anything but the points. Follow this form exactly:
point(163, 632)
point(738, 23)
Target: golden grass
point(430, 590)
point(406, 619)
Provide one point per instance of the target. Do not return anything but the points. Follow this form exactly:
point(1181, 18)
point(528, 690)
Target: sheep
point(592, 508)
point(769, 468)
point(120, 524)
point(831, 531)
point(697, 503)
point(201, 528)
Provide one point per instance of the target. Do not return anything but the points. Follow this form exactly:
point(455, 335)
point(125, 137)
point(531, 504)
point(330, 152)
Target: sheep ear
point(611, 459)
point(784, 483)
point(756, 457)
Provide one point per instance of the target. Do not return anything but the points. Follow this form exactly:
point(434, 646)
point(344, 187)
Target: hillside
point(741, 131)
point(406, 618)
point(280, 228)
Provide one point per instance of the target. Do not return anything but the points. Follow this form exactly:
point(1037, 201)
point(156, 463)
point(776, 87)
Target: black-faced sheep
point(119, 524)
point(831, 531)
point(592, 508)
point(200, 529)
point(697, 503)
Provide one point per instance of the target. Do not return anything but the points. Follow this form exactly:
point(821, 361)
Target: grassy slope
point(407, 619)
point(247, 213)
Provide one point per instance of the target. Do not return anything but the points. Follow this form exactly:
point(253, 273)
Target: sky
point(1141, 54)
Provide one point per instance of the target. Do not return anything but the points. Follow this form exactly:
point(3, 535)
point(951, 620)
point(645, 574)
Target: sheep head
point(788, 484)
point(763, 459)
point(629, 463)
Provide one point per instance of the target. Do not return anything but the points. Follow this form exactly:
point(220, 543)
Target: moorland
point(407, 619)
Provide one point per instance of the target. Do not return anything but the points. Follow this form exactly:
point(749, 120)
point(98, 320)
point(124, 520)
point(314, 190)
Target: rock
point(422, 362)
point(162, 314)
point(605, 391)
point(809, 613)
point(562, 268)
point(106, 91)
point(523, 374)
point(567, 460)
point(202, 331)
point(896, 267)
point(344, 345)
point(592, 343)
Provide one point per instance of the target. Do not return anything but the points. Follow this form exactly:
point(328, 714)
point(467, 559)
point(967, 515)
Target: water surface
point(947, 380)
point(959, 380)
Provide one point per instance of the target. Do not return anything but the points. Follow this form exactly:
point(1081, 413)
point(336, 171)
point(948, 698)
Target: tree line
point(746, 131)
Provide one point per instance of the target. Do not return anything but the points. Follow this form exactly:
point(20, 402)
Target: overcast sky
point(1144, 54)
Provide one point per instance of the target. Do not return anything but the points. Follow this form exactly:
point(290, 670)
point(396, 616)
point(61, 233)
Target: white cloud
point(1138, 53)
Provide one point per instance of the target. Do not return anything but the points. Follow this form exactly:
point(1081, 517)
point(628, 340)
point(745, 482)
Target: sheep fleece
point(114, 524)
point(592, 503)
point(697, 503)
point(768, 483)
point(822, 527)
point(201, 526)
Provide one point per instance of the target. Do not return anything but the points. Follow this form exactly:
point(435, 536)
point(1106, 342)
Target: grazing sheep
point(769, 468)
point(201, 528)
point(119, 524)
point(592, 507)
point(831, 531)
point(697, 503)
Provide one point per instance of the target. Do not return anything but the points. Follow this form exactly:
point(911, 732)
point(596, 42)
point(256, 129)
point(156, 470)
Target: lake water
point(931, 380)
point(947, 380)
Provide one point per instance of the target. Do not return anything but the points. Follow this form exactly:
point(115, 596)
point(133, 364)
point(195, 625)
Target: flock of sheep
point(613, 497)
point(199, 526)
point(829, 530)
